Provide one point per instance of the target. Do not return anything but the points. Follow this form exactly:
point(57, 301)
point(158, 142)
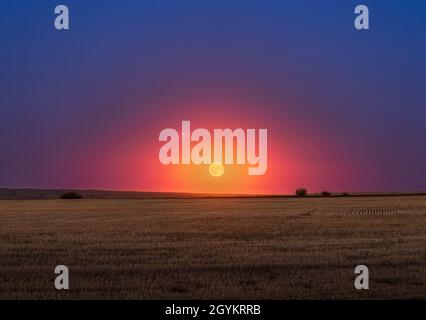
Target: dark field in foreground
point(214, 248)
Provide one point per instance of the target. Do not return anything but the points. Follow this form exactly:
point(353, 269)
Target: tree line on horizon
point(303, 192)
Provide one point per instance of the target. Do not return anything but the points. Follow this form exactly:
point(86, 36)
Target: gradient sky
point(345, 110)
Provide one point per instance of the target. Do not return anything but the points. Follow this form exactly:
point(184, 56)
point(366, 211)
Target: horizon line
point(214, 194)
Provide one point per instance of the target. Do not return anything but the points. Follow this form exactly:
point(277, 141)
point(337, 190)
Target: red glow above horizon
point(298, 155)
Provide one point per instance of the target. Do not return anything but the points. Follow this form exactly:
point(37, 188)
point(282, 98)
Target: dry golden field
point(277, 248)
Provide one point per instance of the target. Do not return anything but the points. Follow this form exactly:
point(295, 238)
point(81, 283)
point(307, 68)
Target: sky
point(83, 108)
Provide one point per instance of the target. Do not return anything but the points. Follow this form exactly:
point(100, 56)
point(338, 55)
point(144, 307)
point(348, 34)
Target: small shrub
point(345, 194)
point(326, 194)
point(301, 192)
point(71, 195)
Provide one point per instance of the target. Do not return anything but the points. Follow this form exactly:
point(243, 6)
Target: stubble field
point(237, 248)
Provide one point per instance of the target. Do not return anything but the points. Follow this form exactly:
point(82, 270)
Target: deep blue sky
point(353, 102)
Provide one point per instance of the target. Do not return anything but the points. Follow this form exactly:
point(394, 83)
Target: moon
point(216, 169)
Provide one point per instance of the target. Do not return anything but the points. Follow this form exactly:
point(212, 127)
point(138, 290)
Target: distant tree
point(326, 194)
point(71, 195)
point(345, 194)
point(301, 192)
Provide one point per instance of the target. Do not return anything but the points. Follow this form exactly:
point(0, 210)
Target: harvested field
point(242, 248)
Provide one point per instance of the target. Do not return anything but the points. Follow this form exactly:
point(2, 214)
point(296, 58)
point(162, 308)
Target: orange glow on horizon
point(299, 155)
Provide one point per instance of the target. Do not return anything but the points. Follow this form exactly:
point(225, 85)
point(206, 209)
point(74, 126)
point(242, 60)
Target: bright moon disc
point(216, 169)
